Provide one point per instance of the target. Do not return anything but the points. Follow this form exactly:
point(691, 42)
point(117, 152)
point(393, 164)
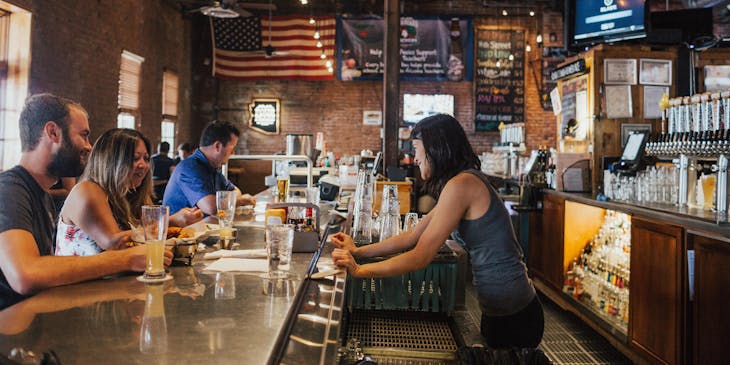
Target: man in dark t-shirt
point(162, 165)
point(54, 136)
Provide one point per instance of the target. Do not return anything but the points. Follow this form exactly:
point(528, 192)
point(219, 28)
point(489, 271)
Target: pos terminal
point(632, 159)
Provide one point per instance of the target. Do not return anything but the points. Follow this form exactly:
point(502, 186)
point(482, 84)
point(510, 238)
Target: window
point(128, 99)
point(169, 107)
point(14, 69)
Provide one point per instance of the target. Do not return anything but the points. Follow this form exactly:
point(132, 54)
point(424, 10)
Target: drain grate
point(402, 333)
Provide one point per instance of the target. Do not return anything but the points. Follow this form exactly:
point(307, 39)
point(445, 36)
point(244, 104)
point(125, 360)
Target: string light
point(316, 34)
point(511, 57)
point(329, 69)
point(499, 63)
point(304, 2)
point(311, 20)
point(538, 39)
point(532, 13)
point(504, 12)
point(322, 56)
point(328, 63)
point(319, 44)
point(528, 48)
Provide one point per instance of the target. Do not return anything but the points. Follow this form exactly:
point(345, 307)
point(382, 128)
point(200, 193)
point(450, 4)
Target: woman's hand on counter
point(345, 242)
point(343, 260)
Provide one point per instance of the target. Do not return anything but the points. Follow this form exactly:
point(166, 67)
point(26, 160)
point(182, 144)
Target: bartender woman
point(469, 207)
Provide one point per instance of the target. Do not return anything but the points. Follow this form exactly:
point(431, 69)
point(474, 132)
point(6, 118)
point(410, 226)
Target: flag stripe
point(296, 55)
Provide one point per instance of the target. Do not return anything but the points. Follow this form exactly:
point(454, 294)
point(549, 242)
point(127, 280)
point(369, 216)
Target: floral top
point(73, 241)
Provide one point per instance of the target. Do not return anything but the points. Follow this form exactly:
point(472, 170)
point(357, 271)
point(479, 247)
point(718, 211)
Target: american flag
point(238, 45)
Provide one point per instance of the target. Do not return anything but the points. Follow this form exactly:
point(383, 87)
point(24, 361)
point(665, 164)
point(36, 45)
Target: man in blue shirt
point(196, 178)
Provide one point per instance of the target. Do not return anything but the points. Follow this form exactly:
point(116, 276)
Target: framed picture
point(655, 72)
point(717, 77)
point(618, 101)
point(619, 71)
point(652, 96)
point(371, 117)
point(628, 128)
point(264, 115)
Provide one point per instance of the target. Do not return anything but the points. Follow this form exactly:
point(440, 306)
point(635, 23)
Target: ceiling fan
point(230, 8)
point(269, 50)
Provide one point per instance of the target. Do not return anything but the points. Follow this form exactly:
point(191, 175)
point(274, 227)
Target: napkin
point(242, 254)
point(236, 264)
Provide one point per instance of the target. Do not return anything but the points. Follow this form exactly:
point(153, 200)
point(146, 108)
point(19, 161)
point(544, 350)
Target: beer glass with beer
point(225, 202)
point(154, 223)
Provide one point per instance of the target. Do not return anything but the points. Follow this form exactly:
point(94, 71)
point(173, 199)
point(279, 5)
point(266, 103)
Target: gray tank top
point(500, 275)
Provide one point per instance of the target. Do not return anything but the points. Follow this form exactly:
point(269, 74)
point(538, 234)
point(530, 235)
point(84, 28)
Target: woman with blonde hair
point(116, 184)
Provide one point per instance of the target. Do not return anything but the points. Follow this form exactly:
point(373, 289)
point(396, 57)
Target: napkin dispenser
point(303, 241)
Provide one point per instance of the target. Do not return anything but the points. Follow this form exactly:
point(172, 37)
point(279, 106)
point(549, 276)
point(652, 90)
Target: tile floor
point(567, 340)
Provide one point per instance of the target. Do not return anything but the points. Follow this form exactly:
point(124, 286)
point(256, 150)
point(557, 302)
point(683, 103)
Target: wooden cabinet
point(656, 294)
point(545, 257)
point(711, 322)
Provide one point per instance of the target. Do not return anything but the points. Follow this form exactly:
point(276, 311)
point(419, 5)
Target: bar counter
point(101, 321)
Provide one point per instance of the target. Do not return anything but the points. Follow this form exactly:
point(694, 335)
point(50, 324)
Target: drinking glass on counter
point(279, 241)
point(154, 223)
point(225, 202)
point(389, 212)
point(410, 221)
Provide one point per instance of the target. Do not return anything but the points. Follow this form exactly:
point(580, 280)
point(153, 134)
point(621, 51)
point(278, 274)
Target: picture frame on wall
point(652, 96)
point(372, 117)
point(619, 71)
point(655, 72)
point(618, 101)
point(264, 115)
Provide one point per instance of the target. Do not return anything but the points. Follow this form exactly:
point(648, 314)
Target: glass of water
point(279, 241)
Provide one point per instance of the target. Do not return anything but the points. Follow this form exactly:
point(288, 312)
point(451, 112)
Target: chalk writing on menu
point(500, 82)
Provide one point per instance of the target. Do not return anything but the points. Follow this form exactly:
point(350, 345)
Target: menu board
point(500, 81)
point(551, 58)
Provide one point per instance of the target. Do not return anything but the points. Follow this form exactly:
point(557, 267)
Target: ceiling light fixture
point(532, 13)
point(504, 12)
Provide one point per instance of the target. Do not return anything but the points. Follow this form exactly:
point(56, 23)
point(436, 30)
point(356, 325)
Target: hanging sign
point(264, 115)
point(575, 68)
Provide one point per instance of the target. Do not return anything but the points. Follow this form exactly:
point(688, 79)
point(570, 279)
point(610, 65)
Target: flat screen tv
point(419, 106)
point(590, 22)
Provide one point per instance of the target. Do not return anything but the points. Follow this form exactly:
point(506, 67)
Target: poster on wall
point(264, 115)
point(500, 78)
point(431, 49)
point(574, 105)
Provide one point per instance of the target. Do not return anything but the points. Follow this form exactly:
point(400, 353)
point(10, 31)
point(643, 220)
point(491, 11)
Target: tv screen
point(598, 21)
point(419, 106)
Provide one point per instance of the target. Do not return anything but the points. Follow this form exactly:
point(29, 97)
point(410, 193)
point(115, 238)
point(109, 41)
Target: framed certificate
point(619, 71)
point(618, 101)
point(655, 72)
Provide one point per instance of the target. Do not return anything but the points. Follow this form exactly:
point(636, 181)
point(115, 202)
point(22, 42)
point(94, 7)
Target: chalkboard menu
point(500, 81)
point(264, 115)
point(551, 58)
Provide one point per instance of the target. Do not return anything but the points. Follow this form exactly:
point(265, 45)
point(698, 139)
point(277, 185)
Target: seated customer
point(54, 137)
point(110, 196)
point(162, 166)
point(196, 179)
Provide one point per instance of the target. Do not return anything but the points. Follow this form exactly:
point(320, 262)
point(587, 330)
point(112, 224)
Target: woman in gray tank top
point(469, 207)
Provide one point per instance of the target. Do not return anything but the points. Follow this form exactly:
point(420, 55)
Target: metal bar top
point(102, 321)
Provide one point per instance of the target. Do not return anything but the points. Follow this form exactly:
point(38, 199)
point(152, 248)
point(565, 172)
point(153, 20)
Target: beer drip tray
point(391, 337)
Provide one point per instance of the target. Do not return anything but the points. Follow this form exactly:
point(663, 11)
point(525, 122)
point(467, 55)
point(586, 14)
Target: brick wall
point(335, 107)
point(76, 49)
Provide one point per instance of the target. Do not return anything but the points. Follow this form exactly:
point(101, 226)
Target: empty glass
point(363, 209)
point(225, 286)
point(410, 221)
point(279, 241)
point(389, 212)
